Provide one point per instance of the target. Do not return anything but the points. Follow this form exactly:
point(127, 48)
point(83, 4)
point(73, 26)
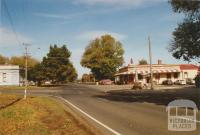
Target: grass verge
point(29, 87)
point(6, 100)
point(19, 87)
point(38, 116)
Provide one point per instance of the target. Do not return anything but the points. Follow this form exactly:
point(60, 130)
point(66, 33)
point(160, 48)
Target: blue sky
point(76, 22)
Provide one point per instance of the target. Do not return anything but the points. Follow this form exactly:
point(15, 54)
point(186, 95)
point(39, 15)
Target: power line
point(11, 21)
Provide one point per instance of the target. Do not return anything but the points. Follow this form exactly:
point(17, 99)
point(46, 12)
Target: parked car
point(47, 82)
point(167, 82)
point(190, 81)
point(197, 81)
point(106, 82)
point(180, 82)
point(31, 83)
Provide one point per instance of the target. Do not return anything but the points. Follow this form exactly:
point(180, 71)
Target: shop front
point(142, 73)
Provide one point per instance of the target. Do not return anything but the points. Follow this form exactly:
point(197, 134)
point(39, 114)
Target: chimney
point(131, 61)
point(159, 62)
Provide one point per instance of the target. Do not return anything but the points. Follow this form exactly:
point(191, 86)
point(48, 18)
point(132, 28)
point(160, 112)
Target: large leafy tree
point(186, 37)
point(143, 62)
point(185, 6)
point(20, 60)
point(36, 74)
point(103, 56)
point(57, 66)
point(3, 60)
point(88, 78)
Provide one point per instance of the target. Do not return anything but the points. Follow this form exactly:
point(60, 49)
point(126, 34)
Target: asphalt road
point(126, 112)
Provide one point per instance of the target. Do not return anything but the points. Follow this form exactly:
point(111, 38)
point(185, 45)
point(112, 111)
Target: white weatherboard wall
point(9, 75)
point(189, 74)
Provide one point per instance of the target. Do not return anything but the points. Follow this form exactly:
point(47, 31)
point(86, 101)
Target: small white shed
point(9, 75)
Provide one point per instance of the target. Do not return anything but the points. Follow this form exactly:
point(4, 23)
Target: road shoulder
point(80, 119)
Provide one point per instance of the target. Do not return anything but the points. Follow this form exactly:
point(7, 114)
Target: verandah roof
point(143, 71)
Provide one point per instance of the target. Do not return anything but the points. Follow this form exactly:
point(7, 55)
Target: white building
point(161, 72)
point(9, 75)
point(188, 71)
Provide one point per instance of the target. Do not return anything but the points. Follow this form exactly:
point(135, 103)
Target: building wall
point(9, 75)
point(188, 74)
point(163, 77)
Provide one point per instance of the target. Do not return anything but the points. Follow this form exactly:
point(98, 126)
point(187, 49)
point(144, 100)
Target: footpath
point(106, 88)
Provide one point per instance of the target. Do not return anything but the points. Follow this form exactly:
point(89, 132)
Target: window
point(157, 76)
point(4, 77)
point(169, 76)
point(185, 75)
point(140, 77)
point(175, 75)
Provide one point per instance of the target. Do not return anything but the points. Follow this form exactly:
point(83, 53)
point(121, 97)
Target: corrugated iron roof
point(188, 67)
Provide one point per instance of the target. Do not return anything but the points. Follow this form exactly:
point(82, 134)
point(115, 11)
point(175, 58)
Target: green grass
point(38, 116)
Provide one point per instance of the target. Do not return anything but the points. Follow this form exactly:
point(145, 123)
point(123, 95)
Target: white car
point(180, 82)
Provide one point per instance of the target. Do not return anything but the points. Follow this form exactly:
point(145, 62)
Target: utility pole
point(26, 68)
point(150, 61)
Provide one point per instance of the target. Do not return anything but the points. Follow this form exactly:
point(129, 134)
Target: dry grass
point(19, 87)
point(38, 116)
point(8, 99)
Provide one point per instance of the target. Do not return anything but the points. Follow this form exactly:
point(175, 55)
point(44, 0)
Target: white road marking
point(100, 123)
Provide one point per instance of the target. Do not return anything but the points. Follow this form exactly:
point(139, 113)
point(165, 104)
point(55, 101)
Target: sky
point(75, 23)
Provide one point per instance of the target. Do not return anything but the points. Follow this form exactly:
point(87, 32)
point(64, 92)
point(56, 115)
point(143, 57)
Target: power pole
point(150, 61)
point(26, 68)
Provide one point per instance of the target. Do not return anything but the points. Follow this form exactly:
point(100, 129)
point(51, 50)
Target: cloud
point(90, 35)
point(109, 6)
point(59, 16)
point(9, 38)
point(127, 3)
point(77, 14)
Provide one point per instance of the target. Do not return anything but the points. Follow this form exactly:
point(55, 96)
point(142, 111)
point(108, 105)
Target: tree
point(186, 43)
point(57, 67)
point(186, 37)
point(143, 62)
point(20, 60)
point(103, 56)
point(36, 74)
point(185, 6)
point(3, 60)
point(88, 78)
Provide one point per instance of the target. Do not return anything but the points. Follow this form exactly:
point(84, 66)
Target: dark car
point(167, 82)
point(190, 81)
point(197, 81)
